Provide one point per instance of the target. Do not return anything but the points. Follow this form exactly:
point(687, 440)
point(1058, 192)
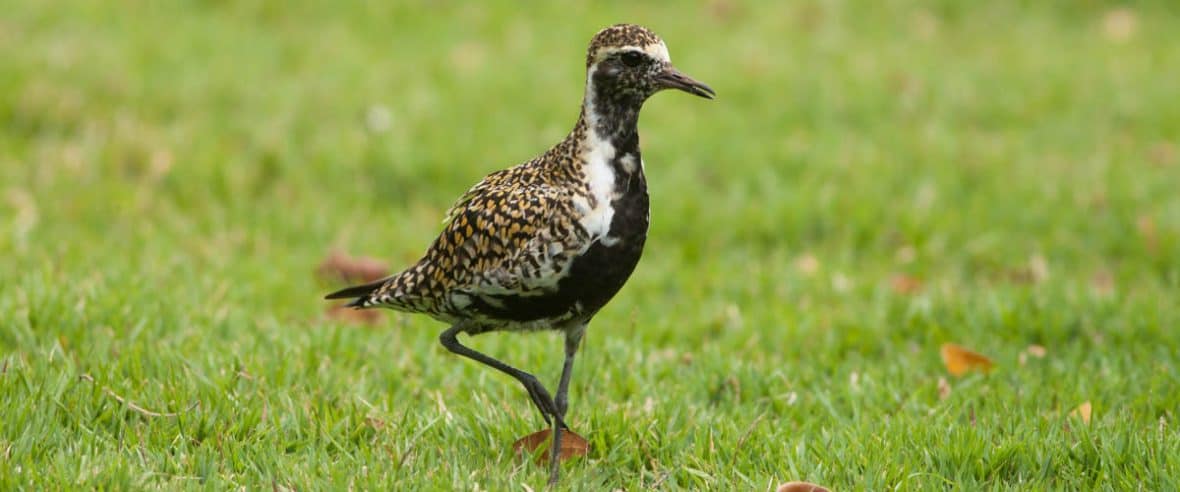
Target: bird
point(546, 244)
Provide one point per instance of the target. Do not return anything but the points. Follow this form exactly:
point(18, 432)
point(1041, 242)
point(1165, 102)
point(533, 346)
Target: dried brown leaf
point(468, 57)
point(1102, 282)
point(1083, 412)
point(801, 487)
point(1033, 272)
point(722, 9)
point(1119, 24)
point(906, 254)
point(1163, 153)
point(958, 360)
point(807, 264)
point(1147, 230)
point(1039, 268)
point(905, 284)
point(572, 446)
point(351, 269)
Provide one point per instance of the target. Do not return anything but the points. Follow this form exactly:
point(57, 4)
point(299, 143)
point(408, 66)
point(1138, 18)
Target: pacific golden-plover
point(544, 245)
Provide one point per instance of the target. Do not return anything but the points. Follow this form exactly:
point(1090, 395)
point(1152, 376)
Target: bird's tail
point(360, 294)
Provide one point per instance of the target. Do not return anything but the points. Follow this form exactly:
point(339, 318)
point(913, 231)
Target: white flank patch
point(628, 162)
point(601, 178)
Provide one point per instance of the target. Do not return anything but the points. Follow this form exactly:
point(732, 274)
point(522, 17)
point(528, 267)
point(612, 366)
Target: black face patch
point(633, 59)
point(626, 77)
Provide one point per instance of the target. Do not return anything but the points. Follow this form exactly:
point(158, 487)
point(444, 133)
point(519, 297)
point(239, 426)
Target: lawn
point(874, 180)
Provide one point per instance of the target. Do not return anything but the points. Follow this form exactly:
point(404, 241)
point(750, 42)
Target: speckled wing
point(514, 240)
point(499, 240)
point(498, 179)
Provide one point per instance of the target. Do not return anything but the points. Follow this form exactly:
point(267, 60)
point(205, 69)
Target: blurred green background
point(875, 179)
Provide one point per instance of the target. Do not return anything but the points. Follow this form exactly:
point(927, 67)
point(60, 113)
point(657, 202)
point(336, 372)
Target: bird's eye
point(632, 58)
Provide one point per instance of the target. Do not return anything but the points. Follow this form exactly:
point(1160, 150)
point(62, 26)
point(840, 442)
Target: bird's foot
point(544, 402)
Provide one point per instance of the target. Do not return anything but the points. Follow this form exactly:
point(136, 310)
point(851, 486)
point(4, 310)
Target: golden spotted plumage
point(514, 231)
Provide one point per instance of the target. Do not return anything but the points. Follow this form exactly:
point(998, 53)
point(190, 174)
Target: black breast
point(596, 276)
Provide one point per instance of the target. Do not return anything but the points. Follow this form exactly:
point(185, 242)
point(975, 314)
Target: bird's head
point(627, 63)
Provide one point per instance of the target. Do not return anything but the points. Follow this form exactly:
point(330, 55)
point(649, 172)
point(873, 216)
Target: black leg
point(573, 337)
point(555, 455)
point(536, 390)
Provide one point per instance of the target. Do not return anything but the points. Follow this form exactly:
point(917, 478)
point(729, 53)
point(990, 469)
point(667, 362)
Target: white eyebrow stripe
point(659, 51)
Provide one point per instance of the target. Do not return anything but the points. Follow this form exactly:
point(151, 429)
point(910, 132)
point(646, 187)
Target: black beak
point(673, 79)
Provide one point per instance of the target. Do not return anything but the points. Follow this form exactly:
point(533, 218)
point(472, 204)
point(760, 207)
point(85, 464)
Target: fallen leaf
point(572, 446)
point(801, 487)
point(1147, 231)
point(1083, 411)
point(807, 264)
point(1097, 200)
point(353, 315)
point(1162, 153)
point(375, 423)
point(959, 360)
point(1039, 268)
point(469, 56)
point(160, 163)
point(1119, 24)
point(944, 388)
point(1033, 350)
point(352, 269)
point(1033, 272)
point(1103, 283)
point(905, 284)
point(722, 9)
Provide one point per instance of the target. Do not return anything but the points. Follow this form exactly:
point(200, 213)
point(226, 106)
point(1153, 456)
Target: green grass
point(172, 172)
